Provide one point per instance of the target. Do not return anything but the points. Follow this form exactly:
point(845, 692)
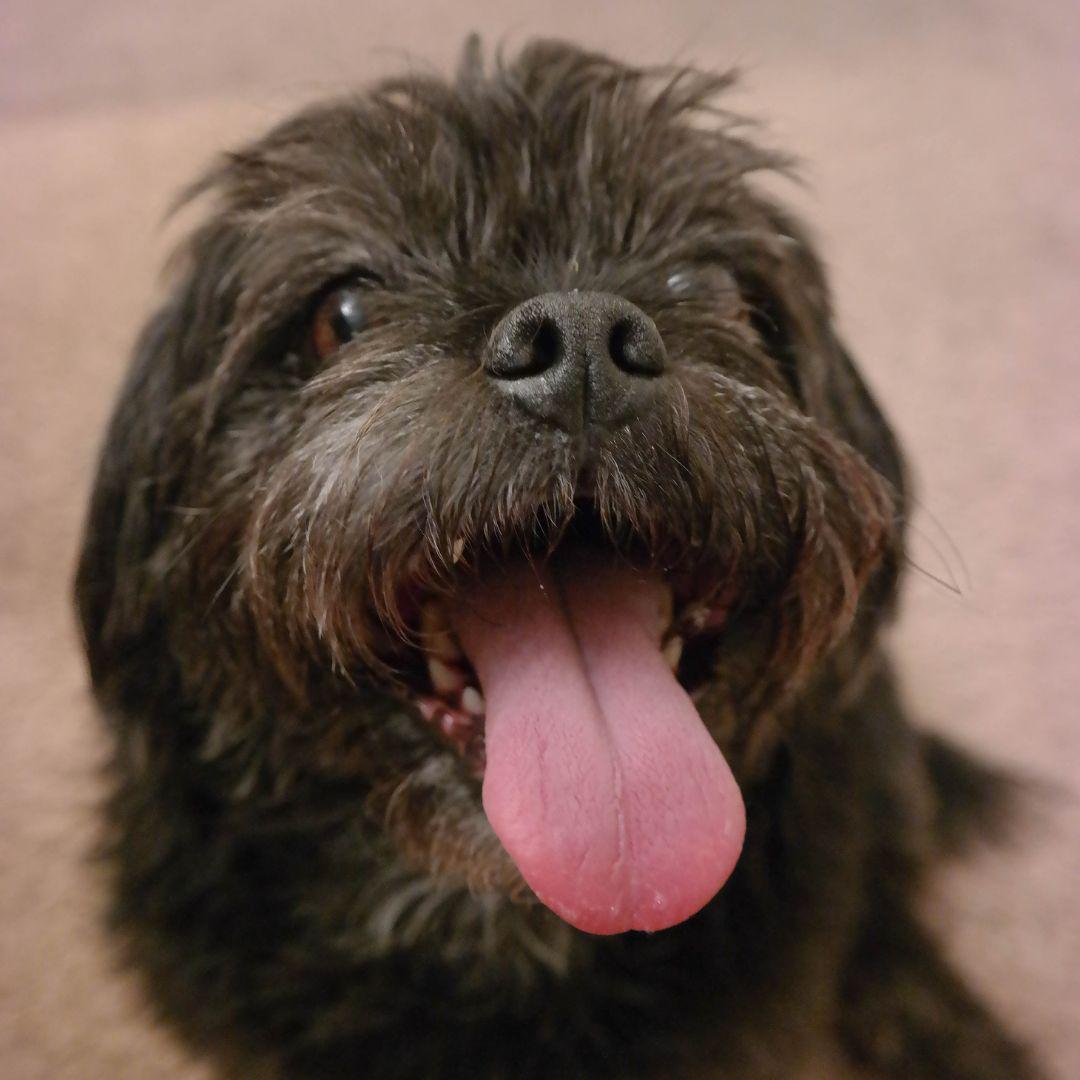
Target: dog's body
point(434, 339)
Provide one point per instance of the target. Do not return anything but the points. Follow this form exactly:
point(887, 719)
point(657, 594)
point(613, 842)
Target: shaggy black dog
point(492, 528)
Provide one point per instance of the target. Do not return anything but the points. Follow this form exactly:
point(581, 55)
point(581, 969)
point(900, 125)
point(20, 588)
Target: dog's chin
point(574, 766)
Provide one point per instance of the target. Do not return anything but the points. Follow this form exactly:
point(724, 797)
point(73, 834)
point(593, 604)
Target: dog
point(483, 586)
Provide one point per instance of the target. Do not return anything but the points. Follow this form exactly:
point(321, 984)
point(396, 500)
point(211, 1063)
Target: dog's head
point(515, 388)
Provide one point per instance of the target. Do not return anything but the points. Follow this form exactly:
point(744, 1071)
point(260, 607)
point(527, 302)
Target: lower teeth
point(673, 652)
point(445, 679)
point(472, 701)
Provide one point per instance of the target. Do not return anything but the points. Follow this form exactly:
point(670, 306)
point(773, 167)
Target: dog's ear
point(142, 460)
point(791, 312)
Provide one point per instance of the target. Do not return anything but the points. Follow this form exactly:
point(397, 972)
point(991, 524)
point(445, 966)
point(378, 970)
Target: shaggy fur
point(303, 872)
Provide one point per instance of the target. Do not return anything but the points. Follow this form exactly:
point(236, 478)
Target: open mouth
point(564, 682)
point(453, 703)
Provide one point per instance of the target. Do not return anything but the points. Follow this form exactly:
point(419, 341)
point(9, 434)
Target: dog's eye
point(704, 282)
point(339, 317)
point(681, 283)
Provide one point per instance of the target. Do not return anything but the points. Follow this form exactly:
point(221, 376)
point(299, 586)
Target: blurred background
point(943, 181)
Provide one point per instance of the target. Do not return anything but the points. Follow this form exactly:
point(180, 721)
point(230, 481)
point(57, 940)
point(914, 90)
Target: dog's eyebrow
point(355, 275)
point(764, 241)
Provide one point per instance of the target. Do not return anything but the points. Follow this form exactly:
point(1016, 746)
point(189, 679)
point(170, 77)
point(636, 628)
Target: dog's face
point(511, 389)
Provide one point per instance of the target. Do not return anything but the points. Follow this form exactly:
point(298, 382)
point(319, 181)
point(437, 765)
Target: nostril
point(635, 346)
point(617, 343)
point(547, 346)
point(528, 343)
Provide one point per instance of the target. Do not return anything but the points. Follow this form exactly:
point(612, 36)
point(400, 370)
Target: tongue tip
point(653, 909)
point(645, 919)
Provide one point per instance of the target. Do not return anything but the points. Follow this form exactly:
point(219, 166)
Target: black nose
point(578, 359)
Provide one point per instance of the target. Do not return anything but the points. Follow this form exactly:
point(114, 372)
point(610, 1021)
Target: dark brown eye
point(340, 316)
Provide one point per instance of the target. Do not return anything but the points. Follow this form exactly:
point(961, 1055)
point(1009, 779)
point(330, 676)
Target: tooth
point(472, 701)
point(445, 679)
point(673, 652)
point(457, 726)
point(695, 617)
point(437, 636)
point(429, 707)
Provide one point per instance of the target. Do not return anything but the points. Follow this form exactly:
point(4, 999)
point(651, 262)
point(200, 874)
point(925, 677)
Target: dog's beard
point(525, 596)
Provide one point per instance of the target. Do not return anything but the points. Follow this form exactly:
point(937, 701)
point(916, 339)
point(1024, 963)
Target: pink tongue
point(601, 781)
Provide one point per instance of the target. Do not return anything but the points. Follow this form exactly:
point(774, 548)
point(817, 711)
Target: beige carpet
point(945, 184)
